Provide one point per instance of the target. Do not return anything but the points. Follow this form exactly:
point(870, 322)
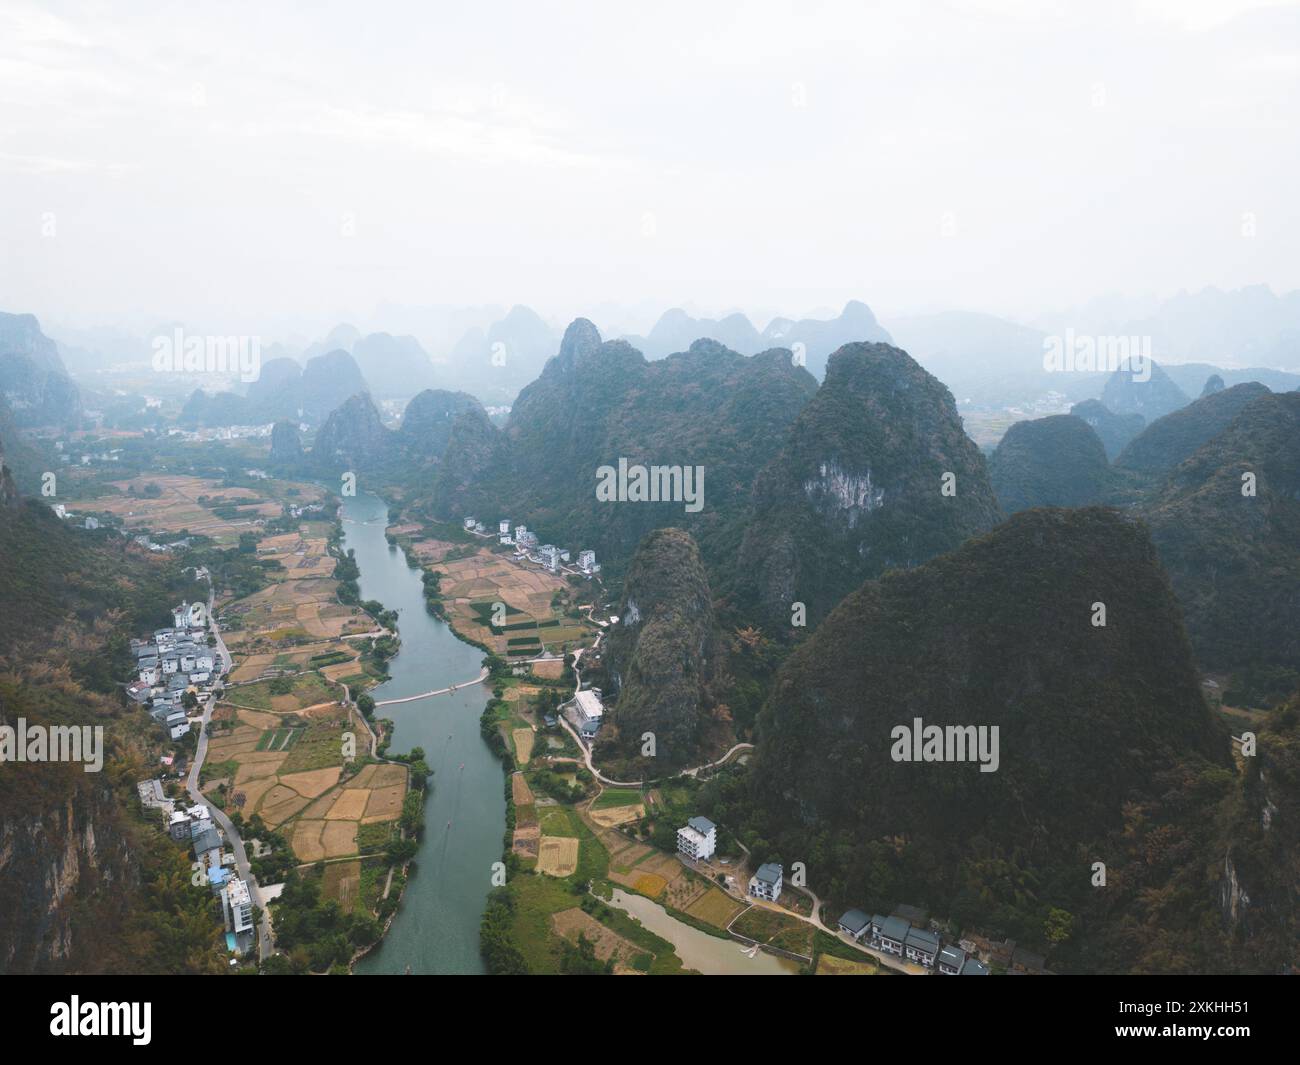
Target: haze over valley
point(794, 493)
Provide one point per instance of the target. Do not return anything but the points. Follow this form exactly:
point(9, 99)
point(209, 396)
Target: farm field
point(301, 556)
point(342, 656)
point(523, 742)
point(471, 586)
point(289, 770)
point(614, 797)
point(177, 509)
point(617, 806)
point(557, 856)
point(715, 907)
point(776, 929)
point(293, 611)
point(303, 691)
point(829, 965)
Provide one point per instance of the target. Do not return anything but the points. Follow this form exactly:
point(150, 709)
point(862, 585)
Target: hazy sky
point(236, 164)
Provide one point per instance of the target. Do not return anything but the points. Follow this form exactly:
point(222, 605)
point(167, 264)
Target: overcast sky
point(238, 165)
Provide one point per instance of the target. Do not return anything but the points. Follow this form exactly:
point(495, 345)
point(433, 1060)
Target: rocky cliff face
point(663, 657)
point(8, 490)
point(1259, 874)
point(58, 867)
point(875, 473)
point(1058, 461)
point(33, 379)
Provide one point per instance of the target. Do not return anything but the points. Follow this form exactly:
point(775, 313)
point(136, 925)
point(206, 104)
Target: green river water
point(436, 928)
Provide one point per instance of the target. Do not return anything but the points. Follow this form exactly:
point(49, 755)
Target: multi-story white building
point(550, 555)
point(238, 906)
point(766, 883)
point(698, 839)
point(586, 561)
point(590, 708)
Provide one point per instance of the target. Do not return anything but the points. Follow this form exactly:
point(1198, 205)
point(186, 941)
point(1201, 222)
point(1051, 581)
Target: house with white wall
point(698, 839)
point(766, 883)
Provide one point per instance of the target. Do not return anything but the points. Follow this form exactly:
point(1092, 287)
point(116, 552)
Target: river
point(436, 927)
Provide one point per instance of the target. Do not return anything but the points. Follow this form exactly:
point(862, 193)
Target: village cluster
point(906, 933)
point(527, 548)
point(212, 862)
point(173, 663)
point(586, 710)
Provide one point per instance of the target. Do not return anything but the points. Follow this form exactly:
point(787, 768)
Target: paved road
point(265, 942)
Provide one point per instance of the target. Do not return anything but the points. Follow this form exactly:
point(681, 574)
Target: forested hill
point(598, 402)
point(664, 659)
point(1105, 745)
point(875, 473)
point(1166, 442)
point(1227, 524)
point(1058, 461)
point(84, 886)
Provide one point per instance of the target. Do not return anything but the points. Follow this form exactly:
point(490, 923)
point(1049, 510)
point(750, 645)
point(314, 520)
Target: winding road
point(265, 941)
point(586, 750)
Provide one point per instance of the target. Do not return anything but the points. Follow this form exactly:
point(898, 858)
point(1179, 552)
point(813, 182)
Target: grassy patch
point(612, 797)
point(776, 929)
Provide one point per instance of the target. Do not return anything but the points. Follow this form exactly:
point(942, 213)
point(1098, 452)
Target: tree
point(1058, 926)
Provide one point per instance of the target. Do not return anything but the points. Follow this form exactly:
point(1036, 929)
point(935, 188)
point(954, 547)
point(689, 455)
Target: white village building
point(698, 839)
point(238, 906)
point(766, 883)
